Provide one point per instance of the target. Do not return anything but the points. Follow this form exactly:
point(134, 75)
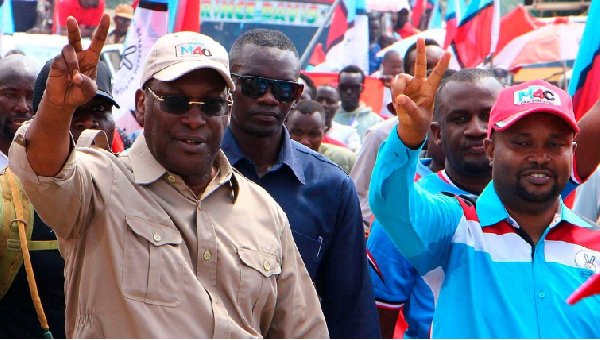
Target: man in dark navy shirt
point(318, 197)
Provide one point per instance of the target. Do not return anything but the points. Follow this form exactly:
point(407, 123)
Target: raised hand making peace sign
point(71, 81)
point(413, 97)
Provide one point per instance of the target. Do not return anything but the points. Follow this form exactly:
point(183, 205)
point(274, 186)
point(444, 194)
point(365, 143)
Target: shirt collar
point(361, 107)
point(490, 210)
point(146, 169)
point(286, 156)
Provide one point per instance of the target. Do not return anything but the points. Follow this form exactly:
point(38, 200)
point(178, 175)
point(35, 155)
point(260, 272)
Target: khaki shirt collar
point(146, 168)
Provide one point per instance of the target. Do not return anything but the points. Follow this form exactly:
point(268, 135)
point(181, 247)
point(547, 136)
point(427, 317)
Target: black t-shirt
point(18, 318)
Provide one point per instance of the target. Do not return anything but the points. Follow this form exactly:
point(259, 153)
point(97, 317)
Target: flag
point(417, 12)
point(454, 11)
point(150, 22)
point(348, 40)
point(477, 33)
point(184, 15)
point(372, 92)
point(56, 17)
point(7, 26)
point(318, 56)
point(584, 86)
point(435, 20)
point(589, 288)
point(514, 24)
point(189, 16)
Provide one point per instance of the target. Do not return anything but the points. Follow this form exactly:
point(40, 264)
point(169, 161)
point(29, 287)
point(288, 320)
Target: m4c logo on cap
point(536, 95)
point(192, 48)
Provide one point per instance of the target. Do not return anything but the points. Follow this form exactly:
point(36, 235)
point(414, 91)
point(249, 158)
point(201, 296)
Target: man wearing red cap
point(502, 268)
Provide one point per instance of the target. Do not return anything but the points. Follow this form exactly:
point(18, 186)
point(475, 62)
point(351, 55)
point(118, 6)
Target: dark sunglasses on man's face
point(179, 105)
point(352, 88)
point(256, 87)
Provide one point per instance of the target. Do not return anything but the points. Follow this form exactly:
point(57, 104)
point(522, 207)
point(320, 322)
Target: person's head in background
point(89, 3)
point(386, 40)
point(391, 66)
point(434, 147)
point(15, 51)
point(96, 113)
point(17, 78)
point(122, 18)
point(306, 124)
point(434, 53)
point(461, 113)
point(351, 84)
point(309, 86)
point(392, 63)
point(329, 97)
point(400, 19)
point(375, 24)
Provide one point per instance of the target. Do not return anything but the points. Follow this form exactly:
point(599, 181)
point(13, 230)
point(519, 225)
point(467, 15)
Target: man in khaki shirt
point(167, 240)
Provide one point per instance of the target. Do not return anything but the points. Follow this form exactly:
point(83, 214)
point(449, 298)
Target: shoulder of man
point(383, 128)
point(249, 187)
point(307, 155)
point(338, 151)
point(582, 221)
point(345, 128)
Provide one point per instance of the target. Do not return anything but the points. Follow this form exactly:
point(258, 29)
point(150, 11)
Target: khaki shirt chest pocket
point(258, 279)
point(153, 266)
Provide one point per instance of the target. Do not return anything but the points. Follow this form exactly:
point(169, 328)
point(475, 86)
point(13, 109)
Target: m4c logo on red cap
point(192, 48)
point(536, 95)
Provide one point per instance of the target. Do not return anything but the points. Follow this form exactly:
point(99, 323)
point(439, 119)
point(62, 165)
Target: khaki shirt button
point(207, 255)
point(171, 178)
point(157, 237)
point(267, 265)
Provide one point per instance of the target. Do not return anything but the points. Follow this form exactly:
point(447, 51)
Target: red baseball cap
point(515, 102)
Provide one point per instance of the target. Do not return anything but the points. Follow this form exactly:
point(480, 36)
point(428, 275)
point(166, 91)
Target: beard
point(477, 168)
point(7, 133)
point(537, 197)
point(540, 197)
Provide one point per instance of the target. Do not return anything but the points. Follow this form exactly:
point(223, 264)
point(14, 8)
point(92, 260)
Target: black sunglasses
point(353, 88)
point(179, 105)
point(256, 87)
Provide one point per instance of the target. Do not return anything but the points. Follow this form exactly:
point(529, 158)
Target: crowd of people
point(254, 204)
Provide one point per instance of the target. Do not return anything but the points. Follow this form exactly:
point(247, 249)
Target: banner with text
point(264, 11)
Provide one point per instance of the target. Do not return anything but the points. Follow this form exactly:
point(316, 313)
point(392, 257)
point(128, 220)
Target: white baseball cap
point(174, 55)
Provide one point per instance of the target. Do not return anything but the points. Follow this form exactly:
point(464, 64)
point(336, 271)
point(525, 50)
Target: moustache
point(534, 168)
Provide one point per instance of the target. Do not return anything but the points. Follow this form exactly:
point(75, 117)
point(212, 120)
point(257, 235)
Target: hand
point(71, 81)
point(387, 80)
point(413, 97)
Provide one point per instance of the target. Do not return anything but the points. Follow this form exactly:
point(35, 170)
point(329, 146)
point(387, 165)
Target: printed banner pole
point(313, 41)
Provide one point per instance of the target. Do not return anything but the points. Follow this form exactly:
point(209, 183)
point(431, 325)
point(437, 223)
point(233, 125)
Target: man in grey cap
point(166, 241)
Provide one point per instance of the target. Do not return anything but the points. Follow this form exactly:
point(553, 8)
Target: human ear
point(490, 147)
point(436, 132)
point(299, 95)
point(140, 106)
